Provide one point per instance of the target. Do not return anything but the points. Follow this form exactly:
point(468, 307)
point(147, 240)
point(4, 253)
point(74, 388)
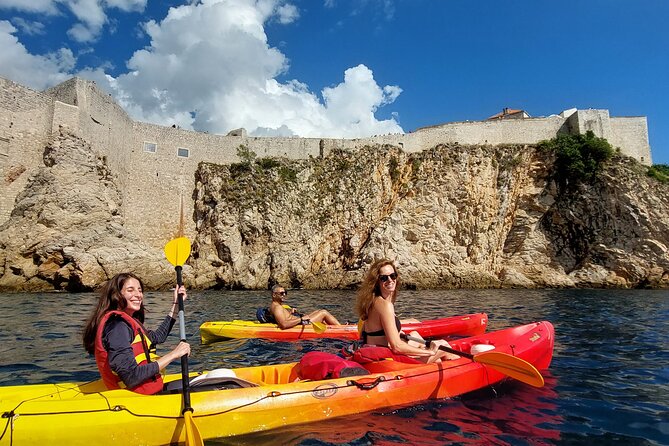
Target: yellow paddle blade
point(361, 324)
point(319, 327)
point(512, 366)
point(193, 437)
point(177, 251)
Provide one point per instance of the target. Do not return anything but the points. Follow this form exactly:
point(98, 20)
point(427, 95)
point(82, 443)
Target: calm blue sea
point(608, 383)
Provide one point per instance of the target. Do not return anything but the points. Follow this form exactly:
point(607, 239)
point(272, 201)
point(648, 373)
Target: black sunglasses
point(282, 293)
point(385, 277)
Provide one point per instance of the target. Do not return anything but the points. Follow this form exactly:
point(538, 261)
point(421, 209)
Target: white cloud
point(209, 67)
point(29, 27)
point(91, 14)
point(37, 72)
point(128, 5)
point(35, 6)
point(287, 14)
point(92, 18)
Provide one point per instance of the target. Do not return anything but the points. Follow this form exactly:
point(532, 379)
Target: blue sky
point(346, 68)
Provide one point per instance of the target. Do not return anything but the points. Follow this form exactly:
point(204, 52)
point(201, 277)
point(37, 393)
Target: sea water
point(608, 382)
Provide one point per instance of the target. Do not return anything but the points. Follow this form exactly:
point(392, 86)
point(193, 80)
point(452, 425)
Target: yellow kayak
point(465, 325)
point(252, 399)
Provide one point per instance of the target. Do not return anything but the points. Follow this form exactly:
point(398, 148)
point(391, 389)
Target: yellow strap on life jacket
point(153, 356)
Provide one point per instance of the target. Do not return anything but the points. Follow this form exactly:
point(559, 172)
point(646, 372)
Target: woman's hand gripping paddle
point(177, 252)
point(510, 365)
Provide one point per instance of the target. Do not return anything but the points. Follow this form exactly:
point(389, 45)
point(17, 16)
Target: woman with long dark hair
point(124, 350)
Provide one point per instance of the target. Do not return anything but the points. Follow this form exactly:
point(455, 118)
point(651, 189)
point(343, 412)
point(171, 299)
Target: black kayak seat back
point(219, 379)
point(265, 316)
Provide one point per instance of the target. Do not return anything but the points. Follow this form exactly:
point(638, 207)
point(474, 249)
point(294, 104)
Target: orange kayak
point(254, 399)
point(465, 325)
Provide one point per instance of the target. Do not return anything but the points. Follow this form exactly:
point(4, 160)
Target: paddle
point(318, 327)
point(502, 362)
point(177, 251)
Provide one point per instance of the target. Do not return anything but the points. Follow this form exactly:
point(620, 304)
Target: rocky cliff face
point(66, 230)
point(452, 216)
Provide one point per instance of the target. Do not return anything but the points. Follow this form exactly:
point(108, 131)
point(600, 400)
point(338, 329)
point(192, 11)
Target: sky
point(348, 68)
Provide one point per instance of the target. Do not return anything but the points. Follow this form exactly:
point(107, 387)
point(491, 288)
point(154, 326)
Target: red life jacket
point(141, 349)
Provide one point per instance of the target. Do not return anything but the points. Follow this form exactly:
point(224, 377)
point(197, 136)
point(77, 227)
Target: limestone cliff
point(66, 230)
point(452, 216)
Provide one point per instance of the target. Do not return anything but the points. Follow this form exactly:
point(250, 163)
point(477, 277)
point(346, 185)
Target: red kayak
point(465, 325)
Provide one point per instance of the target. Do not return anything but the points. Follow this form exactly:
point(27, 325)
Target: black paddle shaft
point(185, 384)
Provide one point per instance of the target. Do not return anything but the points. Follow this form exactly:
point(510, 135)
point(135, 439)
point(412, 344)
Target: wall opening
point(150, 147)
point(183, 153)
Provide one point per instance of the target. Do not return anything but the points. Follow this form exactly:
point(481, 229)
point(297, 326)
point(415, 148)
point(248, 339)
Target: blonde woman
point(375, 306)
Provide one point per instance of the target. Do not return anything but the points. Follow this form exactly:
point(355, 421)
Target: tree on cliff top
point(578, 157)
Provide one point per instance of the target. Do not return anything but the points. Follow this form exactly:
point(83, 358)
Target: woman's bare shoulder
point(383, 305)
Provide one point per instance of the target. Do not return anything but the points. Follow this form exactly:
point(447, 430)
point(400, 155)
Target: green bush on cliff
point(578, 157)
point(246, 155)
point(287, 174)
point(660, 172)
point(268, 163)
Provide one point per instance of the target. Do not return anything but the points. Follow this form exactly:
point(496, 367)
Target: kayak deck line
point(270, 394)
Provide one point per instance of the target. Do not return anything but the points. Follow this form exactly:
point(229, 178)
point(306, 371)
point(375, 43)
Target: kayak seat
point(219, 379)
point(265, 316)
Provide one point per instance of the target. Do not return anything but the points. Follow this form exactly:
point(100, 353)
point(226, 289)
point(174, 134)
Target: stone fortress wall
point(156, 164)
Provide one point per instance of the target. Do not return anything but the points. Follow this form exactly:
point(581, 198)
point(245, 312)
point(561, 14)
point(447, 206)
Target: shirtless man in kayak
point(289, 317)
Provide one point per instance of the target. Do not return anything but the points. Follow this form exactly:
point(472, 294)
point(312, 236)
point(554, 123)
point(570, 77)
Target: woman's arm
point(182, 348)
point(397, 345)
point(159, 335)
point(117, 339)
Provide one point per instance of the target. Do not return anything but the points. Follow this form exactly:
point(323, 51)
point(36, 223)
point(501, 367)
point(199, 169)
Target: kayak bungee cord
point(360, 384)
point(12, 413)
point(350, 383)
point(9, 416)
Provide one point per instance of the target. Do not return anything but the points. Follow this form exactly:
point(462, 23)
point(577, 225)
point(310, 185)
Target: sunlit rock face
point(452, 216)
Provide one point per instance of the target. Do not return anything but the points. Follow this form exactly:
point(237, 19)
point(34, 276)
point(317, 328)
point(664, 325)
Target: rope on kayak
point(349, 383)
point(12, 413)
point(360, 384)
point(9, 416)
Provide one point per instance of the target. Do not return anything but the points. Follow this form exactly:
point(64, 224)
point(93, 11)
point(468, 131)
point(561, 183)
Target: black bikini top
point(381, 332)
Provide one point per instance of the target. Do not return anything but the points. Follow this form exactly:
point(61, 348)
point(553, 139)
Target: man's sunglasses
point(282, 293)
point(385, 277)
